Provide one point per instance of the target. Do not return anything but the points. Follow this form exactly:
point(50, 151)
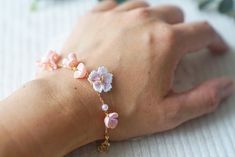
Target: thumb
point(200, 100)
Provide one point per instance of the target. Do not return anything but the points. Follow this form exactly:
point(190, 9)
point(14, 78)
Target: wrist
point(54, 112)
point(79, 99)
point(88, 96)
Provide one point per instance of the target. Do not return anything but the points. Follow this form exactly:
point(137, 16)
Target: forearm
point(39, 121)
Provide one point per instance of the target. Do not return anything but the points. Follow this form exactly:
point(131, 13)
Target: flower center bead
point(102, 79)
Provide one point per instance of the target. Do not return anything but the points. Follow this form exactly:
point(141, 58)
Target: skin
point(142, 46)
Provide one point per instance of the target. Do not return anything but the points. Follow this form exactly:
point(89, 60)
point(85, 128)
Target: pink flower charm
point(71, 61)
point(49, 62)
point(111, 120)
point(53, 56)
point(80, 72)
point(101, 79)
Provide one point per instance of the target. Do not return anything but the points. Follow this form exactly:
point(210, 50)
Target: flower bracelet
point(100, 79)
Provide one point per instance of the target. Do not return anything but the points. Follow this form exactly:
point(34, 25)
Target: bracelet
point(100, 79)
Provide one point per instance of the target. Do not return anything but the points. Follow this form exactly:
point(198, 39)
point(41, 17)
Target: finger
point(168, 13)
point(105, 6)
point(199, 35)
point(200, 100)
point(131, 5)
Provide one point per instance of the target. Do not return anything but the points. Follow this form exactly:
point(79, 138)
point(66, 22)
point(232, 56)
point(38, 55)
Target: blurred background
point(28, 28)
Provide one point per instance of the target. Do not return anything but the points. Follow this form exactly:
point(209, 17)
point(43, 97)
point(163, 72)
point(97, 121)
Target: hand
point(142, 45)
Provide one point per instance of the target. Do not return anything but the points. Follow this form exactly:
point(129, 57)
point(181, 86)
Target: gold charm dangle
point(104, 146)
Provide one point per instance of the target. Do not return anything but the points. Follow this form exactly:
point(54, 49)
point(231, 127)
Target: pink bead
point(81, 71)
point(111, 120)
point(105, 107)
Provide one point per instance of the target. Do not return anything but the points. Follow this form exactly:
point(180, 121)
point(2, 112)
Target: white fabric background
point(25, 35)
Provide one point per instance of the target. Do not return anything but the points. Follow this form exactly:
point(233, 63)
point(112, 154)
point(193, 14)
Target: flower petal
point(93, 76)
point(53, 65)
point(107, 87)
point(112, 123)
point(113, 115)
point(108, 77)
point(80, 72)
point(72, 56)
point(98, 87)
point(65, 62)
point(102, 70)
point(53, 56)
point(111, 120)
point(72, 63)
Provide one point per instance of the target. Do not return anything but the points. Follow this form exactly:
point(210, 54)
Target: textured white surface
point(24, 36)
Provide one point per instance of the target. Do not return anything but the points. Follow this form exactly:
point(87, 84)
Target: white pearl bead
point(105, 107)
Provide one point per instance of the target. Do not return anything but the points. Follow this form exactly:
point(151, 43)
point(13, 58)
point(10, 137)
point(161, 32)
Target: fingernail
point(227, 90)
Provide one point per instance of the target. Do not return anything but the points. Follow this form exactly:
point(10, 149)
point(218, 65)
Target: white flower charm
point(101, 79)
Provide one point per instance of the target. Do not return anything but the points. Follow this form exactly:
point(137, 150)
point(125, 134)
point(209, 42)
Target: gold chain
point(104, 146)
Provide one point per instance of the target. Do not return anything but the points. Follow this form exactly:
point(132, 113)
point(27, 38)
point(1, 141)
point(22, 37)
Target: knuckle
point(112, 3)
point(174, 10)
point(140, 3)
point(177, 11)
point(212, 100)
point(142, 13)
point(168, 37)
point(208, 27)
point(169, 34)
point(173, 113)
point(144, 4)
